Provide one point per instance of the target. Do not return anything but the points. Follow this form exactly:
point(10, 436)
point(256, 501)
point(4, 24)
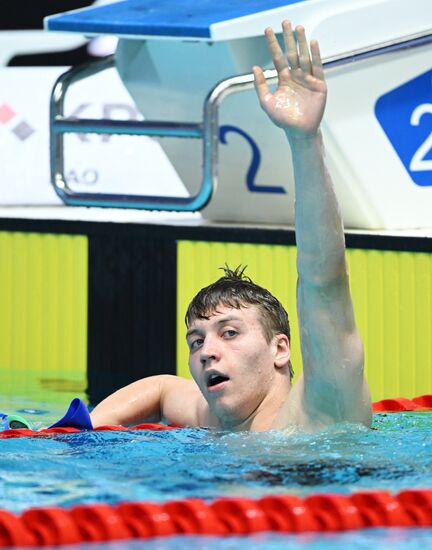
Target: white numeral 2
point(418, 162)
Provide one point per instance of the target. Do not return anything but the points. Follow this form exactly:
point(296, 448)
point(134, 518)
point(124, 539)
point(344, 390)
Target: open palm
point(298, 103)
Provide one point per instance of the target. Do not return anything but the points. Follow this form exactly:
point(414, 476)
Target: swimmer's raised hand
point(298, 104)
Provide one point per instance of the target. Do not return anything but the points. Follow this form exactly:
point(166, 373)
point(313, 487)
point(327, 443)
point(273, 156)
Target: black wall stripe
point(132, 311)
point(230, 233)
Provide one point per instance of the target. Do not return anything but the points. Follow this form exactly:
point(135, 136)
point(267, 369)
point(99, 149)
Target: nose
point(209, 351)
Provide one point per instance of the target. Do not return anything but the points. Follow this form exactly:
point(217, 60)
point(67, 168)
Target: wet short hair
point(237, 290)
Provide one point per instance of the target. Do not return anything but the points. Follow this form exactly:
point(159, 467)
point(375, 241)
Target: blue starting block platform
point(181, 18)
point(184, 61)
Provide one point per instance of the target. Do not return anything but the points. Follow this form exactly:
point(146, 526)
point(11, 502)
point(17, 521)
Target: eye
point(230, 333)
point(195, 344)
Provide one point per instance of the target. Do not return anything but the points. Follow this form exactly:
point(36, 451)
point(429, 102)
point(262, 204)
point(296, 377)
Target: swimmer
point(238, 333)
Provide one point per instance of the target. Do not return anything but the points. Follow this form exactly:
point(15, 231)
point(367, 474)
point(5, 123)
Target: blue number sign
point(255, 162)
point(405, 115)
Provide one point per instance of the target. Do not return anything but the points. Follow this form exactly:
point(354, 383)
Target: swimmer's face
point(232, 362)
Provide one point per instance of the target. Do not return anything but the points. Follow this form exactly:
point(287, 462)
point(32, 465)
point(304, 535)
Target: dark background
point(29, 15)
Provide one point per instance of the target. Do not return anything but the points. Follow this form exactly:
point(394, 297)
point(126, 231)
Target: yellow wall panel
point(392, 295)
point(423, 322)
point(43, 314)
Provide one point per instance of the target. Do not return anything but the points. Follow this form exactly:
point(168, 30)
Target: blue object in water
point(77, 416)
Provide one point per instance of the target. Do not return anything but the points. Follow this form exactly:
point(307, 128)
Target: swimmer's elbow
point(321, 273)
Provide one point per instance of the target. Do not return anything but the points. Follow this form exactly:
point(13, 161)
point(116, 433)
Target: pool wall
point(96, 305)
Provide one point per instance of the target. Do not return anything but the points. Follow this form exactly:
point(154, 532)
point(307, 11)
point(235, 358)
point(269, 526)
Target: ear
point(282, 350)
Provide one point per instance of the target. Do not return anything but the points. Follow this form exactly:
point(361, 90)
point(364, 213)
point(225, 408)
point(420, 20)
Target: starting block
point(187, 66)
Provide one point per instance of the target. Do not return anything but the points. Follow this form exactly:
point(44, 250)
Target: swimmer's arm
point(332, 387)
point(151, 399)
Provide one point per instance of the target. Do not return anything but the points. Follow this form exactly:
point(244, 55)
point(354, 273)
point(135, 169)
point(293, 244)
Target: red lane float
point(24, 432)
point(225, 516)
point(419, 403)
point(395, 405)
point(398, 404)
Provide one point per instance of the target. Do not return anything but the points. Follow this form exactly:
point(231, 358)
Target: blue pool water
point(376, 539)
point(111, 467)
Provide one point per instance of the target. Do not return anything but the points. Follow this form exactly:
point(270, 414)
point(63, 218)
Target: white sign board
point(93, 163)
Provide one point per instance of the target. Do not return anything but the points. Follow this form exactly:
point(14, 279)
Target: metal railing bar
point(245, 82)
point(411, 41)
point(130, 127)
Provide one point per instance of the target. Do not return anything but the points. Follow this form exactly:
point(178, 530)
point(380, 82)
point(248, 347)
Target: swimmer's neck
point(265, 417)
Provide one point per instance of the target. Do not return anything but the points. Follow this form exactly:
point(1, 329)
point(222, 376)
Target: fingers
point(261, 85)
point(299, 63)
point(278, 57)
point(317, 67)
point(304, 58)
point(297, 52)
point(290, 45)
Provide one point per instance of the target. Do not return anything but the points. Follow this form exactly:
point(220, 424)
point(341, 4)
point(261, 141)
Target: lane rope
point(222, 517)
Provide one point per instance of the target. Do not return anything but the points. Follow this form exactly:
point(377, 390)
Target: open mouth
point(215, 380)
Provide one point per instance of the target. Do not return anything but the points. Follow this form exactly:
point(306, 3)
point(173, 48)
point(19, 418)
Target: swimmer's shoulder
point(183, 403)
